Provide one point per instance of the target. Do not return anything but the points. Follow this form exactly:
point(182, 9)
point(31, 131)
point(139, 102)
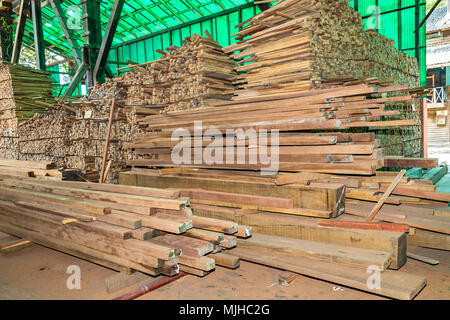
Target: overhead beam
point(105, 47)
point(20, 29)
point(39, 44)
point(62, 19)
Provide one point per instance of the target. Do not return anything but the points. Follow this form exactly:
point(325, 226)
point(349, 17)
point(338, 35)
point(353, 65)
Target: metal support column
point(92, 36)
point(39, 44)
point(68, 33)
point(100, 66)
point(417, 34)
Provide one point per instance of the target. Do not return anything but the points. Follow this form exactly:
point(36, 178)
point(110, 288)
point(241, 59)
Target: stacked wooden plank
point(183, 78)
point(294, 115)
point(413, 202)
point(42, 169)
point(85, 141)
point(8, 120)
point(73, 134)
point(334, 263)
point(298, 44)
point(286, 239)
point(247, 192)
point(144, 229)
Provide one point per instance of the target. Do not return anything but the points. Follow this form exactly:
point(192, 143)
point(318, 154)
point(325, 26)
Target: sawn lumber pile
point(299, 44)
point(121, 227)
point(289, 237)
point(187, 77)
point(297, 116)
point(413, 202)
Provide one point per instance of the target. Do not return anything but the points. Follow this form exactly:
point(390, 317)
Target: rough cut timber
point(118, 239)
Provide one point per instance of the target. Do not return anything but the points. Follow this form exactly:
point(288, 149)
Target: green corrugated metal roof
point(139, 18)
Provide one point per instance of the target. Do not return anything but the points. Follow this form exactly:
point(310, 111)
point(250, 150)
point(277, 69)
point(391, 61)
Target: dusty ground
point(37, 272)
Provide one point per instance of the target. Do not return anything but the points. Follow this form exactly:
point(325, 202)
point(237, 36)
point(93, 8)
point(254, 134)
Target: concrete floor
point(37, 272)
point(442, 152)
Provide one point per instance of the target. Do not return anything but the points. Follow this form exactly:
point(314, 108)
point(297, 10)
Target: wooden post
point(108, 134)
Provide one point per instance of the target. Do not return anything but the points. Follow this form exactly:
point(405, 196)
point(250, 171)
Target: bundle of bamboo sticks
point(24, 92)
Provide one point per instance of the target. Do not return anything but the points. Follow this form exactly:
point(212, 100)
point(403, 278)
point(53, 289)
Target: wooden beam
point(305, 228)
point(81, 71)
point(394, 284)
point(108, 134)
point(317, 196)
point(400, 162)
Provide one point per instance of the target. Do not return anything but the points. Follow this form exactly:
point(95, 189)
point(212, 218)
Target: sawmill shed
point(220, 150)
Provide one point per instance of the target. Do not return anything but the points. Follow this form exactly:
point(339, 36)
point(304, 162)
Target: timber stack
point(121, 227)
point(320, 43)
point(24, 92)
point(313, 41)
point(294, 115)
point(186, 77)
point(283, 85)
point(43, 137)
